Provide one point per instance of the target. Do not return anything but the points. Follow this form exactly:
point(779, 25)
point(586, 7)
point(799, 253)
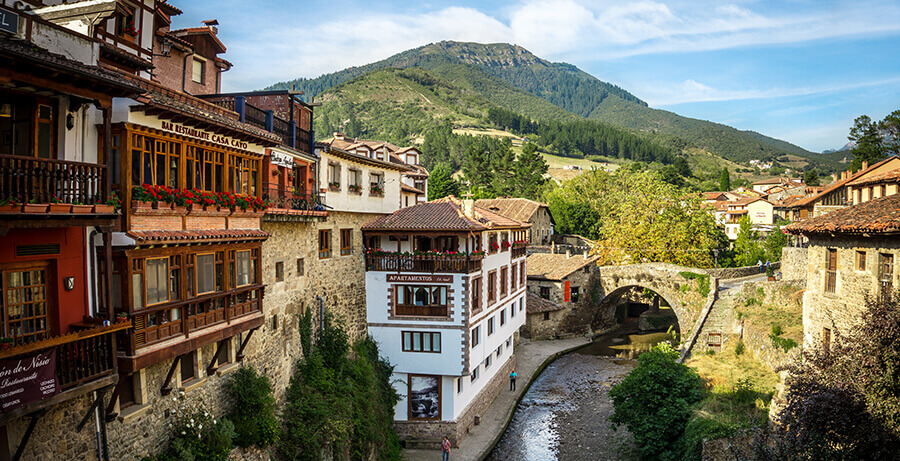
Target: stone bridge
point(688, 296)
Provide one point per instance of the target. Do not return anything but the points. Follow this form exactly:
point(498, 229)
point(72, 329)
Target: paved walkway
point(529, 356)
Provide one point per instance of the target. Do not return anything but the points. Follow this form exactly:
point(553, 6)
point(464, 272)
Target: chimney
point(338, 135)
point(833, 177)
point(585, 255)
point(468, 208)
point(568, 254)
point(865, 164)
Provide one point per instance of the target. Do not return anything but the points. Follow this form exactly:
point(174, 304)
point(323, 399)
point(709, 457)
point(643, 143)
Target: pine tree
point(503, 162)
point(477, 170)
point(529, 172)
point(725, 180)
point(441, 183)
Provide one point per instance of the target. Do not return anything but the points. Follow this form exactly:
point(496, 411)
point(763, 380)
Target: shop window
point(421, 300)
point(324, 243)
point(279, 271)
point(26, 304)
point(197, 70)
point(418, 341)
point(346, 241)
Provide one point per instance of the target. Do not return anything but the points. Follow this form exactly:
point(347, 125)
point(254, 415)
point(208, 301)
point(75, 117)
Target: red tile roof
point(881, 215)
point(443, 214)
point(519, 209)
point(548, 266)
point(194, 235)
point(890, 176)
point(837, 184)
point(534, 304)
point(410, 189)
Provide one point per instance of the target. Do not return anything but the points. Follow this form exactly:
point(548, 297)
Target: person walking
point(445, 449)
point(759, 265)
point(512, 380)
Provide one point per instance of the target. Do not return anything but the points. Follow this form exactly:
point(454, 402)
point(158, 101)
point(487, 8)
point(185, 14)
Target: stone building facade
point(544, 317)
point(523, 210)
point(852, 257)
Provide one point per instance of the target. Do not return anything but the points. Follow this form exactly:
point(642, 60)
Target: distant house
point(852, 254)
point(560, 278)
point(766, 184)
point(523, 210)
point(544, 317)
point(760, 212)
point(837, 195)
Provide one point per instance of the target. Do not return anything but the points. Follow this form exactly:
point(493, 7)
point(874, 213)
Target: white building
point(445, 313)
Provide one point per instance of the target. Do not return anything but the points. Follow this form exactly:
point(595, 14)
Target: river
point(565, 414)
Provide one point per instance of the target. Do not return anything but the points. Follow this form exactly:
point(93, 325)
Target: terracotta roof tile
point(881, 215)
point(519, 209)
point(534, 304)
point(890, 176)
point(195, 235)
point(837, 184)
point(410, 189)
point(547, 266)
point(444, 214)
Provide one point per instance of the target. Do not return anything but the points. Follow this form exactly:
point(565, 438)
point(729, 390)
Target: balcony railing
point(518, 251)
point(830, 281)
point(172, 320)
point(36, 179)
point(420, 311)
point(288, 198)
point(458, 264)
point(290, 134)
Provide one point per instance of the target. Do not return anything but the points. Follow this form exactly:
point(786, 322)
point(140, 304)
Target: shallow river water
point(565, 414)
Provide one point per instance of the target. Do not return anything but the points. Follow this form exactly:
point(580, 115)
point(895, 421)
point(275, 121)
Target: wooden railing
point(171, 320)
point(81, 357)
point(518, 251)
point(830, 281)
point(255, 116)
point(38, 179)
point(420, 311)
point(423, 263)
point(303, 140)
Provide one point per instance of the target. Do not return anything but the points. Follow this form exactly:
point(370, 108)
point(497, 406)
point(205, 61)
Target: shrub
point(654, 401)
point(254, 416)
point(197, 435)
point(776, 329)
point(739, 348)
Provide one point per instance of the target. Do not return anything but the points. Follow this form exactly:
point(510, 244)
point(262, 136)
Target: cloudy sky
point(798, 70)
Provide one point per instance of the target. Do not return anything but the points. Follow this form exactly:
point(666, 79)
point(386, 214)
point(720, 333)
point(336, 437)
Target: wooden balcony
point(85, 361)
point(28, 179)
point(518, 251)
point(166, 331)
point(454, 264)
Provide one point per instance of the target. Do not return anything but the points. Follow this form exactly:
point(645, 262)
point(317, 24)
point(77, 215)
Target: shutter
point(566, 292)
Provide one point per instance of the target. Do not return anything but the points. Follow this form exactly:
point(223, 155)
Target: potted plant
point(334, 186)
point(121, 316)
point(355, 188)
point(6, 343)
point(376, 190)
point(80, 208)
point(770, 273)
point(110, 206)
point(33, 207)
point(114, 201)
point(57, 207)
point(10, 205)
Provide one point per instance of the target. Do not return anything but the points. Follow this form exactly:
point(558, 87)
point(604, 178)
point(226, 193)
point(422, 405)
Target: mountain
point(846, 147)
point(497, 71)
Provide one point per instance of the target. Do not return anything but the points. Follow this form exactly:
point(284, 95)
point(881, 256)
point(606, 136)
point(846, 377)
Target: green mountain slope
point(471, 66)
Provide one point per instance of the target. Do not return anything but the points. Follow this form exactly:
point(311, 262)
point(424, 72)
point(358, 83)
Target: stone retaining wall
point(794, 263)
point(756, 337)
point(737, 272)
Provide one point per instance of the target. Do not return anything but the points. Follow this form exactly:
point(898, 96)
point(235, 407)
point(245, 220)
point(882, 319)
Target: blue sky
point(798, 70)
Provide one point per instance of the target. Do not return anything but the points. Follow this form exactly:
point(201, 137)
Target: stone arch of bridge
point(605, 310)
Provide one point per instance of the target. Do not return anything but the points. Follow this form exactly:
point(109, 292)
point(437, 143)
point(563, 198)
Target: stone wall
point(737, 272)
point(794, 263)
point(429, 434)
point(537, 327)
point(755, 334)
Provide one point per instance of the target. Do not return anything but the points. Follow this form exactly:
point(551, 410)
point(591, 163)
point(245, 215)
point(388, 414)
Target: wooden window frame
point(300, 267)
point(502, 317)
point(346, 242)
point(830, 270)
point(49, 297)
point(492, 287)
point(405, 309)
point(421, 334)
point(504, 282)
point(513, 277)
point(477, 295)
point(523, 277)
point(575, 294)
point(147, 285)
point(860, 260)
point(324, 238)
point(544, 290)
point(279, 271)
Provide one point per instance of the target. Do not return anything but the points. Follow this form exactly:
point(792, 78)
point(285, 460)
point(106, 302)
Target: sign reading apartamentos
point(9, 21)
point(409, 278)
point(203, 135)
point(27, 379)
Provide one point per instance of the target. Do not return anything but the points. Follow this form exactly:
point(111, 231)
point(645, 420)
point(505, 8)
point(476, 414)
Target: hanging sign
point(27, 379)
point(281, 159)
point(9, 21)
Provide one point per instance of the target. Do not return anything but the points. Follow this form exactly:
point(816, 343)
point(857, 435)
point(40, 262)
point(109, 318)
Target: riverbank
point(531, 358)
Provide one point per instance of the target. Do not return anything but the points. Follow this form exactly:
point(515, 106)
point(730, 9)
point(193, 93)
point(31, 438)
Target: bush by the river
point(197, 436)
point(654, 401)
point(340, 400)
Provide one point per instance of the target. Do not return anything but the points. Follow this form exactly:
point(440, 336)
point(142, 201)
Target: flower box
point(10, 208)
point(35, 207)
point(161, 206)
point(82, 209)
point(140, 204)
point(60, 207)
point(102, 208)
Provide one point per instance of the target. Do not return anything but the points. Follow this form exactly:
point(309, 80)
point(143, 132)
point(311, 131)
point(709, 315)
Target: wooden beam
point(212, 364)
point(240, 354)
point(166, 389)
point(101, 393)
point(31, 424)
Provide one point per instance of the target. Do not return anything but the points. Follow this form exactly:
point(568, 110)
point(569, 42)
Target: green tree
point(774, 242)
point(725, 180)
point(441, 183)
point(477, 169)
point(811, 177)
point(529, 172)
point(747, 251)
point(654, 401)
point(503, 163)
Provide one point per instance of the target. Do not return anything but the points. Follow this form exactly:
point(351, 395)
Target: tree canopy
point(875, 140)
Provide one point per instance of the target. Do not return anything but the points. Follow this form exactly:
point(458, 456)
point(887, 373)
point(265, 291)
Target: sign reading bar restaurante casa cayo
point(27, 379)
point(203, 135)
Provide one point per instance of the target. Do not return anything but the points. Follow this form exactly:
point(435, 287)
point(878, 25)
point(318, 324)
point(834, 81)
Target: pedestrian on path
point(512, 380)
point(759, 265)
point(445, 449)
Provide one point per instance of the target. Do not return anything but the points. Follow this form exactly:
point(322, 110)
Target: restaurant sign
point(27, 379)
point(203, 135)
point(282, 159)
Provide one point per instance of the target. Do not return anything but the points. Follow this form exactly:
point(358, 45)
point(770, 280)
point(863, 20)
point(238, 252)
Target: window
point(508, 340)
point(476, 335)
point(126, 390)
point(154, 161)
point(125, 25)
point(300, 267)
point(830, 270)
point(205, 169)
point(545, 292)
point(826, 339)
point(491, 326)
point(474, 375)
point(157, 273)
point(885, 275)
point(492, 287)
point(502, 316)
point(346, 241)
point(499, 351)
point(412, 159)
point(522, 276)
point(421, 300)
point(860, 260)
point(376, 183)
point(487, 362)
point(354, 180)
point(521, 304)
point(245, 268)
point(476, 295)
point(574, 294)
point(546, 316)
point(243, 174)
point(26, 304)
point(209, 276)
point(504, 241)
point(493, 246)
point(512, 310)
point(224, 349)
point(279, 271)
point(188, 368)
point(334, 176)
point(512, 278)
point(324, 243)
point(419, 184)
point(504, 281)
point(197, 71)
point(459, 385)
point(417, 341)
